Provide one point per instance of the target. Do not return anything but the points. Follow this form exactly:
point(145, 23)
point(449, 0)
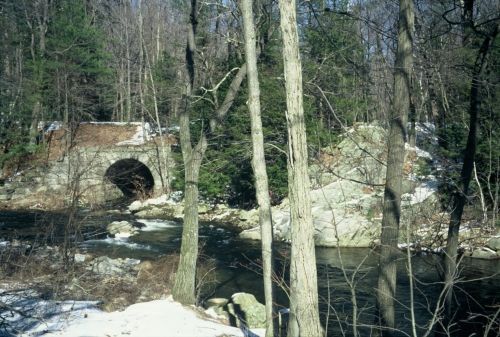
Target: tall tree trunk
point(184, 289)
point(460, 196)
point(42, 17)
point(163, 156)
point(128, 94)
point(185, 279)
point(259, 162)
point(304, 313)
point(394, 176)
point(142, 74)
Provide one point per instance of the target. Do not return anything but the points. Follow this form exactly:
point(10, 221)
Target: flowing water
point(344, 275)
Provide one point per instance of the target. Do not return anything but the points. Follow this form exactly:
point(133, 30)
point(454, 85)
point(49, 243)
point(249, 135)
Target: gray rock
point(245, 307)
point(250, 234)
point(5, 197)
point(248, 219)
point(135, 206)
point(80, 258)
point(494, 243)
point(216, 302)
point(104, 265)
point(122, 229)
point(21, 192)
point(218, 313)
point(484, 253)
point(175, 211)
point(203, 208)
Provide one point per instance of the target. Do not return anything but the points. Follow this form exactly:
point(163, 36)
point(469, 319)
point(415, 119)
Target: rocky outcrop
point(348, 181)
point(169, 208)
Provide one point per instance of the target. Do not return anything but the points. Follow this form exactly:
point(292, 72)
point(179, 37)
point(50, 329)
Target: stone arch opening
point(132, 177)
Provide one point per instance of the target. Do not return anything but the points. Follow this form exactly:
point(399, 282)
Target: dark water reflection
point(476, 291)
point(238, 270)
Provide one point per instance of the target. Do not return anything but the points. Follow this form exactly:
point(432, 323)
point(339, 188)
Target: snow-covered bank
point(30, 316)
point(155, 318)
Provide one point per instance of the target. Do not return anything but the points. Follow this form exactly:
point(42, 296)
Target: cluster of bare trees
point(304, 317)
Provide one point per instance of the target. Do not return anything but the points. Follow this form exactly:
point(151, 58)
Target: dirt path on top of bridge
point(92, 135)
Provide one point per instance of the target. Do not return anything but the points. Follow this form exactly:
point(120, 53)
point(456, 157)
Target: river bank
point(43, 294)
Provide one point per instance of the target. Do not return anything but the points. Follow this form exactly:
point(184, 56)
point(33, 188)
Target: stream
point(237, 270)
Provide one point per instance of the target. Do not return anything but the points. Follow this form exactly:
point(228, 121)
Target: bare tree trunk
point(41, 9)
point(259, 162)
point(128, 95)
point(460, 196)
point(185, 279)
point(304, 313)
point(164, 149)
point(158, 25)
point(141, 63)
point(394, 176)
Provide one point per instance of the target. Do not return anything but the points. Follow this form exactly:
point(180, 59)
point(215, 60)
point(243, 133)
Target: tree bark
point(304, 313)
point(394, 176)
point(259, 162)
point(185, 279)
point(184, 289)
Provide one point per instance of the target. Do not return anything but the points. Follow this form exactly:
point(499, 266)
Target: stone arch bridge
point(108, 160)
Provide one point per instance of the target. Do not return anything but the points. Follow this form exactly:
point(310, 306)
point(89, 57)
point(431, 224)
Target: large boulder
point(484, 253)
point(245, 308)
point(250, 234)
point(138, 205)
point(248, 219)
point(494, 243)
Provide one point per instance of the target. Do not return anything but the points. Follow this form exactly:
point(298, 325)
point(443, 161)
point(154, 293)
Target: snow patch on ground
point(156, 318)
point(114, 123)
point(419, 152)
point(427, 130)
point(30, 316)
point(421, 193)
point(25, 314)
point(142, 135)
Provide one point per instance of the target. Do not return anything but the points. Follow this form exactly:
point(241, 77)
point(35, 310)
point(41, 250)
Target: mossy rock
point(245, 307)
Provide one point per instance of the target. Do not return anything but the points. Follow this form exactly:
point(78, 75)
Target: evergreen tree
point(76, 79)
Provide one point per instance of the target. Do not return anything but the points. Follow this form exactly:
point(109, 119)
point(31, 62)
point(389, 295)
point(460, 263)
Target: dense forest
point(189, 69)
